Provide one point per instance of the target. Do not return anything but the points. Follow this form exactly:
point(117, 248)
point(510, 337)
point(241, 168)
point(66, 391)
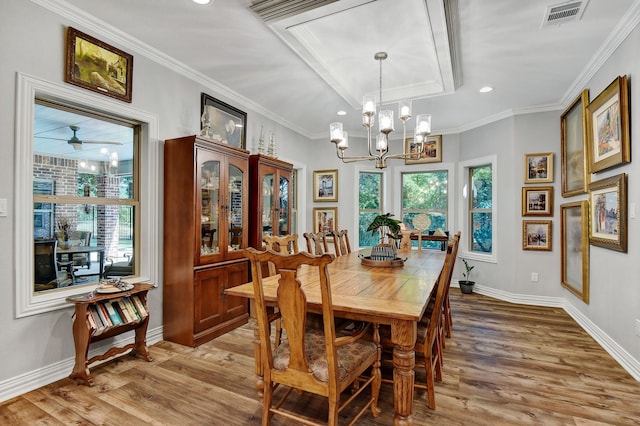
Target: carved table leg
point(403, 335)
point(257, 353)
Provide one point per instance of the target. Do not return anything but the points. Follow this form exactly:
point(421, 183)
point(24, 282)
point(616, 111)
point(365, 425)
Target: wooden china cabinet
point(269, 202)
point(205, 233)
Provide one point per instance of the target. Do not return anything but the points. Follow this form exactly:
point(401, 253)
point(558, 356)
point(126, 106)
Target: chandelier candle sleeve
point(344, 143)
point(386, 122)
point(404, 110)
point(336, 132)
point(423, 124)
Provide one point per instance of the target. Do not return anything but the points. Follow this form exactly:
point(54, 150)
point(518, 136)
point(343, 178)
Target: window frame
point(404, 211)
point(27, 301)
point(465, 212)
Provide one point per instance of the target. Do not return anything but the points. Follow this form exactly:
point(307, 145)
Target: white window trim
point(451, 185)
point(463, 211)
point(28, 88)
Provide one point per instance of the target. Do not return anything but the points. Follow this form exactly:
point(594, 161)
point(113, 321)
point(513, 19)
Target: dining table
point(393, 296)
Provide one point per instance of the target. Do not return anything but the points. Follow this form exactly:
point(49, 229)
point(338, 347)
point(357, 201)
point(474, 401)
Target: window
point(426, 193)
point(105, 198)
point(479, 194)
point(369, 205)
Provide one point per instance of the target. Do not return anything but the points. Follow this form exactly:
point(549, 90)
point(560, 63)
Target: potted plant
point(388, 227)
point(466, 285)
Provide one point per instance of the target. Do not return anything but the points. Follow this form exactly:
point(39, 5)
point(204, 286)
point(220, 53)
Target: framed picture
point(574, 221)
point(222, 122)
point(538, 168)
point(325, 219)
point(97, 66)
point(536, 235)
point(325, 185)
point(573, 147)
point(608, 198)
point(537, 200)
point(431, 150)
point(608, 127)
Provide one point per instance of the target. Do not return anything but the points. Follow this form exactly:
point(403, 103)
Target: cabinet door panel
point(208, 211)
point(236, 274)
point(209, 285)
point(283, 206)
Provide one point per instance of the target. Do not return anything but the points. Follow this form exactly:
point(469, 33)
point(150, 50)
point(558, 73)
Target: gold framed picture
point(97, 66)
point(537, 200)
point(431, 150)
point(574, 248)
point(325, 185)
point(608, 225)
point(608, 139)
point(573, 147)
point(538, 168)
point(325, 219)
point(536, 235)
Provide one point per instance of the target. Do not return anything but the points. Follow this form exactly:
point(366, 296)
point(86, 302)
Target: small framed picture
point(538, 168)
point(537, 200)
point(325, 185)
point(574, 248)
point(431, 150)
point(608, 127)
point(222, 122)
point(97, 66)
point(325, 219)
point(536, 235)
point(573, 147)
point(608, 198)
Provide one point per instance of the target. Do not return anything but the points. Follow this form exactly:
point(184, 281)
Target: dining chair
point(287, 244)
point(321, 362)
point(84, 239)
point(47, 267)
point(428, 345)
point(446, 312)
point(316, 242)
point(341, 242)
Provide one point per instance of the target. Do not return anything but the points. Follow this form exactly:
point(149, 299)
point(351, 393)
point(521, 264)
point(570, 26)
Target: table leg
point(403, 335)
point(257, 353)
point(101, 255)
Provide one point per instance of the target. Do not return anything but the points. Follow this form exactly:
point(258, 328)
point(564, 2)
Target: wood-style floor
point(506, 364)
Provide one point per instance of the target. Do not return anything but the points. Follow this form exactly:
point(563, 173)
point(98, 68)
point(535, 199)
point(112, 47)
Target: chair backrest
point(84, 237)
point(341, 242)
point(292, 306)
point(287, 244)
point(316, 242)
point(439, 297)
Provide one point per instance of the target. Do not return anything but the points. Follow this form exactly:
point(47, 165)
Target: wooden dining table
point(395, 296)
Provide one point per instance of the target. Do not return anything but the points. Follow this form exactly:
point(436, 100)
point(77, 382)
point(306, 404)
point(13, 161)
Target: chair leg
point(448, 324)
point(377, 373)
point(333, 412)
point(267, 400)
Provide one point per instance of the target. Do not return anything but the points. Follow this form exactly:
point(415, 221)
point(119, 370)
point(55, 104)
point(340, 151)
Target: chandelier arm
point(353, 158)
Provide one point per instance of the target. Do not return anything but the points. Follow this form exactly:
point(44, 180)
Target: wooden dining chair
point(341, 242)
point(316, 361)
point(316, 242)
point(446, 311)
point(428, 346)
point(287, 244)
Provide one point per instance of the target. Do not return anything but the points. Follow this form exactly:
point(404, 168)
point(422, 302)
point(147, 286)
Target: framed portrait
point(608, 127)
point(325, 219)
point(574, 221)
point(537, 200)
point(573, 147)
point(325, 185)
point(431, 150)
point(222, 122)
point(536, 235)
point(538, 168)
point(608, 198)
point(97, 66)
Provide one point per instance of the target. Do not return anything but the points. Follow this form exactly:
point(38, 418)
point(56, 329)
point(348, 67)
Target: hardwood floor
point(506, 364)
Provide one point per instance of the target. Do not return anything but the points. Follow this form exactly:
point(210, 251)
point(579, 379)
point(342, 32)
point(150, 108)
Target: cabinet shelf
point(90, 326)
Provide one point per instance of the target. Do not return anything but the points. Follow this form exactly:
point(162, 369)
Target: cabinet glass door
point(283, 220)
point(209, 207)
point(267, 204)
point(234, 209)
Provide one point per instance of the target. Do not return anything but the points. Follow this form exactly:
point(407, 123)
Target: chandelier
point(379, 149)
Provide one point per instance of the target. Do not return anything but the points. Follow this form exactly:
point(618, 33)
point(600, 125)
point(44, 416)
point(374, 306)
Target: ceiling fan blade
point(53, 139)
point(103, 142)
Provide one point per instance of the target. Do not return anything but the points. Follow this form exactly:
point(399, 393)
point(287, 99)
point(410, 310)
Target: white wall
point(33, 348)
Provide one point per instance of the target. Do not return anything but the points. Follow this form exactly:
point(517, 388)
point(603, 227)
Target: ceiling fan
point(77, 142)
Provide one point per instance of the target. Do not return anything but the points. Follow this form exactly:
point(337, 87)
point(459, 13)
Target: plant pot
point(466, 287)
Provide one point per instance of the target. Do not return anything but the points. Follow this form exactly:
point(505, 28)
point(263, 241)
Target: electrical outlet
point(534, 277)
point(638, 327)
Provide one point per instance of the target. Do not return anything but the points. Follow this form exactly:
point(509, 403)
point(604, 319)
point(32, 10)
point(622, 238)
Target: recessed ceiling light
point(202, 1)
point(486, 89)
point(342, 112)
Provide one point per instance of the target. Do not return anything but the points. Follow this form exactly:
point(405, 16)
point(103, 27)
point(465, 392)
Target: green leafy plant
point(385, 220)
point(468, 268)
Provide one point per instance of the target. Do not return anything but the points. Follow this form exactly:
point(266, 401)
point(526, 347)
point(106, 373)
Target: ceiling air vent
point(565, 12)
